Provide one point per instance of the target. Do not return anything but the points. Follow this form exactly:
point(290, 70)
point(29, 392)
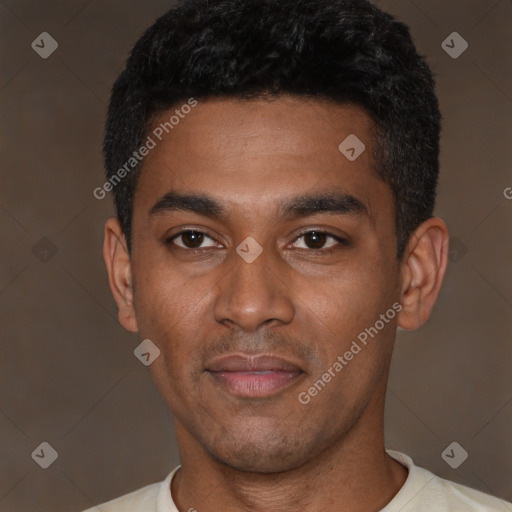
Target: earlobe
point(117, 261)
point(422, 273)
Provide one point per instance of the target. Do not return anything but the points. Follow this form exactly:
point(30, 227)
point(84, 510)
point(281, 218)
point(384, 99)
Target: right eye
point(190, 239)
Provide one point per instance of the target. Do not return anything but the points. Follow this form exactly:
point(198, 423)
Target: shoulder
point(424, 492)
point(152, 498)
point(460, 497)
point(141, 500)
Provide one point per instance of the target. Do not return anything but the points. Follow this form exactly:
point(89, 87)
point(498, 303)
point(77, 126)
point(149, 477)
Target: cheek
point(354, 352)
point(171, 318)
point(351, 299)
point(348, 311)
point(163, 297)
point(163, 315)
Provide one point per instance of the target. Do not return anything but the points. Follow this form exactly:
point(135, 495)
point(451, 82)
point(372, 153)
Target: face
point(260, 254)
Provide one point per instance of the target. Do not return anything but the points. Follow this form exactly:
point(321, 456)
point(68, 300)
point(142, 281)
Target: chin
point(272, 453)
point(263, 463)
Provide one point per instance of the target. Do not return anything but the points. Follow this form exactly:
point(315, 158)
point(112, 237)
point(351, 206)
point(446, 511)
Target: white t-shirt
point(421, 492)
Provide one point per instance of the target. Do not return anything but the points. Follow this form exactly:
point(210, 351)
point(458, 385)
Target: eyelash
point(342, 241)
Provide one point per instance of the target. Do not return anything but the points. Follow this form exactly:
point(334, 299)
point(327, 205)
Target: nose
point(254, 294)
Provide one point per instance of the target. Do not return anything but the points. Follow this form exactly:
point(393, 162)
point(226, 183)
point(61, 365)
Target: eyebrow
point(299, 206)
point(201, 204)
point(335, 203)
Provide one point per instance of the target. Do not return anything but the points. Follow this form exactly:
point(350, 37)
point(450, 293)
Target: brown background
point(68, 373)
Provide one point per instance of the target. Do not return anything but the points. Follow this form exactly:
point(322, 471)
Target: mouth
point(253, 376)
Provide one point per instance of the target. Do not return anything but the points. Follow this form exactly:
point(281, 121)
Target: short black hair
point(343, 51)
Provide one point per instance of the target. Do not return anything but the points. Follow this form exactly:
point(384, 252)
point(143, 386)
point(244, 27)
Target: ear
point(117, 261)
point(422, 272)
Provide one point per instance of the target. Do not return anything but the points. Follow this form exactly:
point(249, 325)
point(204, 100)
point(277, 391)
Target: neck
point(355, 474)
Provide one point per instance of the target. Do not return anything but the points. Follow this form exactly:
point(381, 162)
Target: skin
point(307, 306)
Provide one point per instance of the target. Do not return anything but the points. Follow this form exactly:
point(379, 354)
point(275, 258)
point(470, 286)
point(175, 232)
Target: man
point(274, 167)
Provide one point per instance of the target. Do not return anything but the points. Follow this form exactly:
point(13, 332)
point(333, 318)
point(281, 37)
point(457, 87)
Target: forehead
point(253, 153)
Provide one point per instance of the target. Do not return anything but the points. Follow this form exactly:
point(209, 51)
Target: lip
point(251, 363)
point(253, 376)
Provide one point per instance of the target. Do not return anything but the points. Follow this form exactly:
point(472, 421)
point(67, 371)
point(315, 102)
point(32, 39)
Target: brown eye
point(316, 240)
point(191, 239)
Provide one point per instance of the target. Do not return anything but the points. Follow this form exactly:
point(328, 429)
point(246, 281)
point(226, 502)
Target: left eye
point(316, 240)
